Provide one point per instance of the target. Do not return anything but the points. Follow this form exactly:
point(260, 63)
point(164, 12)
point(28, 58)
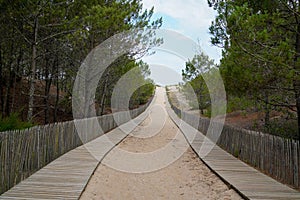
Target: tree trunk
point(32, 72)
point(47, 89)
point(8, 92)
point(103, 95)
point(297, 74)
point(298, 109)
point(9, 82)
point(267, 110)
point(57, 91)
point(1, 83)
point(16, 76)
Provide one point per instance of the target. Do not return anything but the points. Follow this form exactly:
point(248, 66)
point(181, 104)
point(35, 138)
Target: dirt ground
point(237, 118)
point(184, 178)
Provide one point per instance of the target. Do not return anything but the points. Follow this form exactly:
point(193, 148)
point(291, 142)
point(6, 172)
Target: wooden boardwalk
point(249, 182)
point(67, 176)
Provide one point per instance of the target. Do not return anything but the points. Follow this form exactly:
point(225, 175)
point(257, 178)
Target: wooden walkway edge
point(67, 176)
point(247, 181)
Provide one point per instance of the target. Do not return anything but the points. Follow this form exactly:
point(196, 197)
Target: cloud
point(187, 12)
point(191, 18)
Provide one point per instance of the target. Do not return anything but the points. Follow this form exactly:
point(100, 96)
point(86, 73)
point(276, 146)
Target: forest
point(260, 65)
point(44, 42)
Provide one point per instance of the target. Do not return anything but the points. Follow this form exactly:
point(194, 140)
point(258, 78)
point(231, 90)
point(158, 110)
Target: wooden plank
point(249, 182)
point(24, 152)
point(67, 176)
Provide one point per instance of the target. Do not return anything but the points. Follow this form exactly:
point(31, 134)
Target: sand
point(185, 177)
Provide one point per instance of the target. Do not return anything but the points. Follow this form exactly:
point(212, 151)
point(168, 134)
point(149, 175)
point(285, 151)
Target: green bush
point(142, 95)
point(285, 129)
point(238, 103)
point(13, 122)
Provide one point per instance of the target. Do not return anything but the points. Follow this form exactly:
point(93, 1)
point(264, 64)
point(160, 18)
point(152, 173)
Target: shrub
point(13, 122)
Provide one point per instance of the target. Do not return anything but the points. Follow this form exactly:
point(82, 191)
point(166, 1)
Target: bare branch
point(55, 35)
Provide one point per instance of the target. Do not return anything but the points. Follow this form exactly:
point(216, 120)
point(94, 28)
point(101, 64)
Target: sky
point(190, 20)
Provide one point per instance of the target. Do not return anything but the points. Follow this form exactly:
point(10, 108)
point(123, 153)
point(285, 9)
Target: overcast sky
point(191, 19)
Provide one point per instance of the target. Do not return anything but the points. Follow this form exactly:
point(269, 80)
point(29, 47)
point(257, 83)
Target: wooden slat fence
point(24, 152)
point(275, 156)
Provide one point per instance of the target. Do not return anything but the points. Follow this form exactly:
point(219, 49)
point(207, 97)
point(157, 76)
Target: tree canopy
point(261, 49)
point(48, 40)
point(193, 74)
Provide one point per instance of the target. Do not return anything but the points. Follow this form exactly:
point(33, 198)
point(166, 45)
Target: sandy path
point(185, 178)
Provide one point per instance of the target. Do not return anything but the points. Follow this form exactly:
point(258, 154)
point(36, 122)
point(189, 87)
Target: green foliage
point(195, 88)
point(135, 73)
point(142, 95)
point(236, 153)
point(13, 122)
point(199, 65)
point(48, 40)
point(260, 41)
point(282, 128)
point(66, 104)
point(235, 103)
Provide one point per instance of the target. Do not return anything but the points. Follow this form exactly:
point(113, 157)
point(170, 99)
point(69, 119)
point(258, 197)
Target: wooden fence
point(24, 152)
point(275, 156)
